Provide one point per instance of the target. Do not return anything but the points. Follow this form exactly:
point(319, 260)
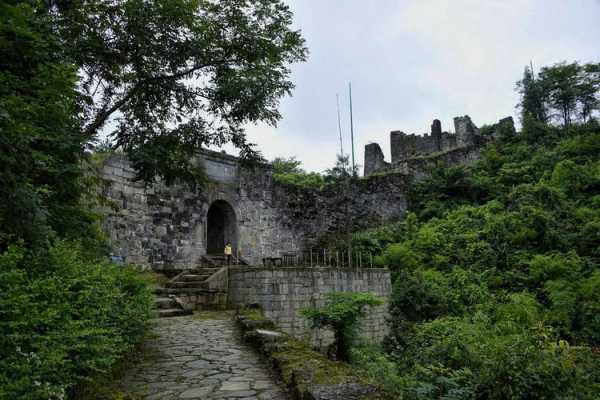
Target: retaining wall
point(283, 292)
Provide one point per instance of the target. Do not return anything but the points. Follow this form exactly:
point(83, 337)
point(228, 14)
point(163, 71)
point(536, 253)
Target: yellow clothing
point(228, 250)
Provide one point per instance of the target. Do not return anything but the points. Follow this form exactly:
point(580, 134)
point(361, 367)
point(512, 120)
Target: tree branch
point(105, 113)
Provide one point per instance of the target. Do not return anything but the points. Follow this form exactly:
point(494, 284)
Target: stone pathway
point(194, 358)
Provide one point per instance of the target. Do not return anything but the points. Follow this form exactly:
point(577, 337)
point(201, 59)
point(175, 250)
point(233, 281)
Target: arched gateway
point(221, 227)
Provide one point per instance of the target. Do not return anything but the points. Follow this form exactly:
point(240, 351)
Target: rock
point(345, 391)
point(196, 393)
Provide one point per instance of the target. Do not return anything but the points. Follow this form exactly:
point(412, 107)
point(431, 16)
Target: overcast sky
point(413, 61)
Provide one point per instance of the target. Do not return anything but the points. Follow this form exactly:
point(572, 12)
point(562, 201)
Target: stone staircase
point(168, 306)
point(201, 287)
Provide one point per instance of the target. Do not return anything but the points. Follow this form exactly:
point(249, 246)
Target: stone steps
point(179, 295)
point(175, 291)
point(189, 284)
point(173, 312)
point(195, 277)
point(165, 303)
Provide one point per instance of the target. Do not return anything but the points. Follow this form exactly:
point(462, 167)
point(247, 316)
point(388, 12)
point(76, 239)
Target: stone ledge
point(308, 375)
point(307, 269)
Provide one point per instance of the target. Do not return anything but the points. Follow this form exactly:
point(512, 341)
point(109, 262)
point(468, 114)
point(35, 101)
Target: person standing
point(228, 252)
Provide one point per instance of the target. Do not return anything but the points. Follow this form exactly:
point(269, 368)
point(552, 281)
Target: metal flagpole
point(351, 126)
point(337, 99)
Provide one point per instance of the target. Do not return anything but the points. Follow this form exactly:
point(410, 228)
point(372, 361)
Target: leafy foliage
point(566, 92)
point(42, 183)
point(288, 171)
point(64, 319)
point(178, 74)
point(496, 270)
point(341, 312)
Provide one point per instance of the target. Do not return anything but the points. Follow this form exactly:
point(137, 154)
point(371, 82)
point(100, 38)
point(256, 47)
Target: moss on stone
point(253, 314)
point(212, 314)
point(299, 363)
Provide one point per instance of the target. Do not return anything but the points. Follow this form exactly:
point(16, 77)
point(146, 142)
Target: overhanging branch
point(105, 113)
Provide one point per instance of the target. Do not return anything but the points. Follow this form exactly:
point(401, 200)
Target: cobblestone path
point(194, 358)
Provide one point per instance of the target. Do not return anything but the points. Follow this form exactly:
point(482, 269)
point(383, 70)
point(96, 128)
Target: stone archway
point(221, 227)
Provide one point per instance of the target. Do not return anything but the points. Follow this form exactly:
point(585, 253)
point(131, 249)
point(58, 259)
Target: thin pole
point(532, 73)
point(351, 125)
point(337, 100)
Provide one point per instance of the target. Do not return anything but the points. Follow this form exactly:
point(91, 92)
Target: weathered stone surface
point(409, 150)
point(167, 228)
point(348, 391)
point(374, 159)
point(268, 336)
point(199, 359)
point(293, 289)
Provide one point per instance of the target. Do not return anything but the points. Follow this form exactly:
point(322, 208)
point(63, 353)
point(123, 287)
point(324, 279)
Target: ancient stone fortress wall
point(319, 212)
point(283, 292)
point(412, 154)
point(171, 228)
point(167, 228)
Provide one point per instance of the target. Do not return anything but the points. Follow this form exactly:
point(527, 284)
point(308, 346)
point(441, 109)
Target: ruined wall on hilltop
point(415, 154)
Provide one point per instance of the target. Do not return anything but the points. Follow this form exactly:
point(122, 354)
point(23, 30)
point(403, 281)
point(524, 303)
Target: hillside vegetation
point(496, 291)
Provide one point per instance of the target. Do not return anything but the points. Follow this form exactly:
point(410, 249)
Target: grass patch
point(253, 314)
point(154, 279)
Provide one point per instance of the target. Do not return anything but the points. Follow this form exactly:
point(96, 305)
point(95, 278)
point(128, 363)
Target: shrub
point(480, 359)
point(341, 312)
point(64, 319)
point(590, 309)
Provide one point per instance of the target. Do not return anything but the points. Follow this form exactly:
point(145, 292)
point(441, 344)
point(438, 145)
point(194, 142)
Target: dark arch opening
point(221, 227)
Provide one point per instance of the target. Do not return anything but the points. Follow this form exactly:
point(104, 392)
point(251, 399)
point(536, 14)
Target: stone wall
point(283, 292)
point(165, 228)
point(404, 146)
point(420, 167)
point(456, 148)
point(374, 159)
point(314, 213)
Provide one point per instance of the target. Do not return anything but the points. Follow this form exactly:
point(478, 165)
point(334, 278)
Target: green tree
point(287, 166)
point(342, 313)
point(533, 97)
point(588, 91)
point(562, 85)
point(42, 184)
point(341, 170)
point(289, 171)
point(178, 74)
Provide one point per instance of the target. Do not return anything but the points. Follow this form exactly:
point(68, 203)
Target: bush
point(64, 319)
point(379, 369)
point(341, 312)
point(477, 358)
